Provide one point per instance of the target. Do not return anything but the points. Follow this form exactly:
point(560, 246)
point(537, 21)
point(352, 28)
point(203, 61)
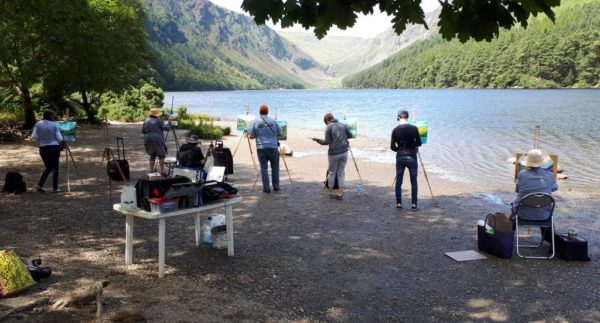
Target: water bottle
point(359, 189)
point(206, 234)
point(489, 229)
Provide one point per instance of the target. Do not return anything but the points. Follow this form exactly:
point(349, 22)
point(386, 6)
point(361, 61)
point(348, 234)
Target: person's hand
point(315, 139)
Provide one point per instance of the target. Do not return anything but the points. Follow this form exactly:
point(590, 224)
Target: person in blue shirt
point(47, 134)
point(534, 179)
point(266, 130)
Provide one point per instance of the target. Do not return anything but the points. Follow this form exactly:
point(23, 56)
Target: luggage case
point(145, 189)
point(112, 167)
point(223, 157)
point(569, 249)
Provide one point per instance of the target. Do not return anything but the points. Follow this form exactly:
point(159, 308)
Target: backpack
point(13, 183)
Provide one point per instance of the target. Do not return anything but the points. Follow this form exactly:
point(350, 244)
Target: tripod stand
point(108, 154)
point(68, 154)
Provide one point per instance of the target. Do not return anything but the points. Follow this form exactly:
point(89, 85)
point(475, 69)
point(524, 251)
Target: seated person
point(190, 155)
point(534, 179)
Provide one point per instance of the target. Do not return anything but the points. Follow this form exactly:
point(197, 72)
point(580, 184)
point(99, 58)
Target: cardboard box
point(501, 222)
point(154, 176)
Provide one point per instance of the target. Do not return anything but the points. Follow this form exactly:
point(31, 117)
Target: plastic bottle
point(489, 229)
point(206, 234)
point(359, 189)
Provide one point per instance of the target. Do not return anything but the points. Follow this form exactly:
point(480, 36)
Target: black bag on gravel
point(157, 188)
point(13, 183)
point(112, 167)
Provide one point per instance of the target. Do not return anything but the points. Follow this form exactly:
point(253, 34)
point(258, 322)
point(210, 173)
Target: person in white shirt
point(48, 136)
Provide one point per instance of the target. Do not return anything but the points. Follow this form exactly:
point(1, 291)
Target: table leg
point(197, 225)
point(129, 240)
point(229, 223)
point(161, 248)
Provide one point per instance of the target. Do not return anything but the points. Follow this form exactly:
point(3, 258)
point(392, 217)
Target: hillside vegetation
point(544, 55)
point(200, 46)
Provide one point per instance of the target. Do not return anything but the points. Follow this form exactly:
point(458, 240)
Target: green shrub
point(204, 131)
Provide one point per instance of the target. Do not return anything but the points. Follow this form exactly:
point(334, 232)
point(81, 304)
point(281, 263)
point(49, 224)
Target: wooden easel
point(109, 155)
point(536, 145)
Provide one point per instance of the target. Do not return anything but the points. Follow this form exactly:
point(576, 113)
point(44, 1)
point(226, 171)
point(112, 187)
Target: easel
point(109, 155)
point(536, 145)
point(357, 171)
point(68, 154)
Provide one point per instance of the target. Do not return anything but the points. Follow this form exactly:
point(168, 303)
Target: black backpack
point(13, 183)
point(223, 157)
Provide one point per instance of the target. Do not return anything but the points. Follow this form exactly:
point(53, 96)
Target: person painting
point(154, 141)
point(265, 130)
point(47, 134)
point(406, 142)
point(336, 136)
point(534, 179)
point(190, 155)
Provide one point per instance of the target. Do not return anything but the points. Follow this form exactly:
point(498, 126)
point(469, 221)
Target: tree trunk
point(28, 107)
point(87, 106)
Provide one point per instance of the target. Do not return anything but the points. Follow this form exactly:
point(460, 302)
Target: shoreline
point(300, 256)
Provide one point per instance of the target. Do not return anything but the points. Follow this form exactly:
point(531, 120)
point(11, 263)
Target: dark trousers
point(50, 156)
point(410, 162)
point(265, 156)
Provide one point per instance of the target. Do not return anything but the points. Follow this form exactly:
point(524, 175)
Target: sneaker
point(39, 189)
point(339, 197)
point(267, 191)
point(277, 189)
point(413, 207)
point(398, 205)
point(58, 190)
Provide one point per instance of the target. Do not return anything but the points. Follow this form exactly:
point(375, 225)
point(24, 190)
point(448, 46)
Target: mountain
point(200, 46)
point(346, 55)
point(564, 54)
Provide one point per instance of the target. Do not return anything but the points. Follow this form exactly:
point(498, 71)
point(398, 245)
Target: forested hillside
point(200, 46)
point(544, 55)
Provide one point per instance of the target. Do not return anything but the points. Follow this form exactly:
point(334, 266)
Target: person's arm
point(327, 139)
point(252, 133)
point(34, 134)
point(418, 142)
point(393, 144)
point(144, 128)
point(57, 133)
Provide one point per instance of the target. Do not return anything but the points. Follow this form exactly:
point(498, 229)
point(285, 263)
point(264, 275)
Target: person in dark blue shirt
point(406, 142)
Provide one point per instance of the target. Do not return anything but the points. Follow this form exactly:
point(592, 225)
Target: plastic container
point(359, 189)
point(162, 205)
point(219, 236)
point(128, 198)
point(206, 234)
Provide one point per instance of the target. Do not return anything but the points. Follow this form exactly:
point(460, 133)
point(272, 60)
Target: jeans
point(337, 165)
point(265, 156)
point(50, 156)
point(410, 162)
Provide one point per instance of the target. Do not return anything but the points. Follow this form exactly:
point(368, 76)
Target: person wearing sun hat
point(190, 155)
point(534, 179)
point(154, 141)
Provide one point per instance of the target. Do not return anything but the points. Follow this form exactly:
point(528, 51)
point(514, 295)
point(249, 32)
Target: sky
point(366, 26)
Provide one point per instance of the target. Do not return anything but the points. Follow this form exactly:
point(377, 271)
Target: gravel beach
point(299, 255)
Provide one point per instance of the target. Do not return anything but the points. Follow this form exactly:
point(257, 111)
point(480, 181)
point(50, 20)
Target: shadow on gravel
point(307, 256)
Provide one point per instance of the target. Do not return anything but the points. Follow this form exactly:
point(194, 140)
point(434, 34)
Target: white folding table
point(130, 214)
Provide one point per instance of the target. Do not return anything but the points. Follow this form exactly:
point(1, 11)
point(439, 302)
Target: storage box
point(154, 176)
point(162, 205)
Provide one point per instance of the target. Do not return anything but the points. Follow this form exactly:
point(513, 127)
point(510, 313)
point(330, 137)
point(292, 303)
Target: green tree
point(106, 50)
point(26, 29)
point(462, 19)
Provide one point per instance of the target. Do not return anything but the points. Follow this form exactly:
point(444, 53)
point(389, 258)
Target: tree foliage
point(84, 46)
point(462, 19)
point(543, 56)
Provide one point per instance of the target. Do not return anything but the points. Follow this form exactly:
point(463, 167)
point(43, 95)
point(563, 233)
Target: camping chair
point(537, 201)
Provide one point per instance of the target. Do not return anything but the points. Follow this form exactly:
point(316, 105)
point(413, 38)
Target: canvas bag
point(14, 276)
point(499, 244)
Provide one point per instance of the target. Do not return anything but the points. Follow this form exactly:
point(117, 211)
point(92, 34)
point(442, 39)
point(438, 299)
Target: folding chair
point(535, 201)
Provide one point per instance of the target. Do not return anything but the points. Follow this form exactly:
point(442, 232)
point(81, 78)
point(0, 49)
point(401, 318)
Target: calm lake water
point(471, 132)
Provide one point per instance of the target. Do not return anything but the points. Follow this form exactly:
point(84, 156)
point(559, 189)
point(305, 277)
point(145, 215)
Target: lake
point(472, 132)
